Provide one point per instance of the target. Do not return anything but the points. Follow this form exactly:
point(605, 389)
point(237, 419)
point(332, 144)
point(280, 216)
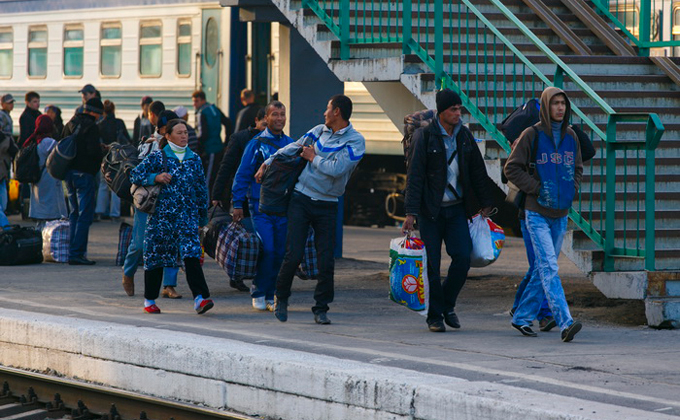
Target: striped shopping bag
point(309, 267)
point(124, 239)
point(237, 251)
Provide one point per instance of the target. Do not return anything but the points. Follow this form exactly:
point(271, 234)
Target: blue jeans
point(108, 203)
point(81, 198)
point(544, 312)
point(3, 203)
point(546, 235)
point(321, 215)
point(272, 232)
point(136, 252)
point(451, 226)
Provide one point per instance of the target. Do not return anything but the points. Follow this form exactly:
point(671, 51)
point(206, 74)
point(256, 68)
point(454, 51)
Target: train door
point(211, 58)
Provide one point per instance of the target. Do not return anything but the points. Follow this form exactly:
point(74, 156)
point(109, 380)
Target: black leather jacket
point(427, 173)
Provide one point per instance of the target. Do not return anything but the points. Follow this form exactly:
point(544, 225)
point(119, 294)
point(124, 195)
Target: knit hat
point(88, 88)
point(446, 99)
point(94, 105)
point(165, 117)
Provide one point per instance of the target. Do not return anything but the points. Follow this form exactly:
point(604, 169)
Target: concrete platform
point(376, 361)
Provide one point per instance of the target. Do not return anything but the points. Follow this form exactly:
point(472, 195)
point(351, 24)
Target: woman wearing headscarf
point(171, 236)
point(47, 195)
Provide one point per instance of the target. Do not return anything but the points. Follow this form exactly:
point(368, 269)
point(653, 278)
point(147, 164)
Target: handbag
point(145, 197)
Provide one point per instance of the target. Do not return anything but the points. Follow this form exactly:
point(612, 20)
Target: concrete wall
point(269, 382)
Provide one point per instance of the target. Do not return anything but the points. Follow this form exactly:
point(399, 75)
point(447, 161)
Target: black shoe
point(321, 318)
point(547, 324)
point(281, 311)
point(436, 326)
point(569, 332)
point(451, 320)
point(525, 330)
point(239, 285)
point(512, 313)
point(80, 261)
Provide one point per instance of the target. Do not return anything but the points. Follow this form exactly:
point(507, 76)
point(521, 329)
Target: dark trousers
point(451, 226)
point(195, 278)
point(211, 164)
point(321, 215)
point(81, 196)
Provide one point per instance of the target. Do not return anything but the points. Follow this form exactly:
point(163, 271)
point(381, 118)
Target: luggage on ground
point(56, 241)
point(124, 239)
point(309, 267)
point(120, 160)
point(59, 161)
point(409, 284)
point(218, 220)
point(487, 241)
point(27, 164)
point(20, 245)
point(237, 251)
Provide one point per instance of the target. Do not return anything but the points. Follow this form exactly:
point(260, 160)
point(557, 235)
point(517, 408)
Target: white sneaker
point(259, 304)
point(271, 305)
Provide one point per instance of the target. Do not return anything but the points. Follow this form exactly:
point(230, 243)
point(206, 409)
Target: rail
point(468, 53)
point(646, 23)
point(100, 401)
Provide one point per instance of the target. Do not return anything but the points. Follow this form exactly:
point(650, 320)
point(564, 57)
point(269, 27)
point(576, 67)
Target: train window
point(111, 49)
point(37, 51)
point(150, 49)
point(6, 52)
point(73, 51)
point(184, 48)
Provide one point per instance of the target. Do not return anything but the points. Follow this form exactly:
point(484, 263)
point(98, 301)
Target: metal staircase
point(624, 230)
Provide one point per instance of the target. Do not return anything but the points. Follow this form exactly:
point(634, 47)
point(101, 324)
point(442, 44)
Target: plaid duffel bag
point(56, 241)
point(237, 251)
point(309, 267)
point(124, 239)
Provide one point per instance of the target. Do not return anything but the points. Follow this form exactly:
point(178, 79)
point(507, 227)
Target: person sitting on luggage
point(271, 229)
point(47, 195)
point(171, 235)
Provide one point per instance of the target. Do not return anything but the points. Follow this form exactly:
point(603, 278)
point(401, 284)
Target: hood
point(546, 96)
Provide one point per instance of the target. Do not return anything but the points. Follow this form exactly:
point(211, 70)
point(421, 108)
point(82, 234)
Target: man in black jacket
point(80, 180)
point(446, 179)
point(28, 117)
point(246, 117)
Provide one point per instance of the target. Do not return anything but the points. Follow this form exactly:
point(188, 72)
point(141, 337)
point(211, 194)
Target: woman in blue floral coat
point(171, 235)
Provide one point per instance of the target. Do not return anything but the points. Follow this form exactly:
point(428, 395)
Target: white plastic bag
point(409, 285)
point(487, 241)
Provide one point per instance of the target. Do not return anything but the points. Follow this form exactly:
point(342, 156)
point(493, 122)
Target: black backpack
point(116, 167)
point(27, 164)
point(412, 122)
point(520, 119)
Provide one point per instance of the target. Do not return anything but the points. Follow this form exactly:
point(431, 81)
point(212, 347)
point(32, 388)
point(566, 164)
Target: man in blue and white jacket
point(271, 229)
point(333, 150)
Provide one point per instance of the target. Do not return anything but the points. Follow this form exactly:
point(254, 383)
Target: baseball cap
point(181, 111)
point(88, 88)
point(7, 99)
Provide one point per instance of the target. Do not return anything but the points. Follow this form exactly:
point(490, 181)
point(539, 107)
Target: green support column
point(438, 42)
point(344, 29)
point(406, 26)
point(645, 27)
point(610, 196)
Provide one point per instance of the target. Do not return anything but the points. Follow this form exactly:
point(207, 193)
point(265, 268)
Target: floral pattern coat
point(172, 230)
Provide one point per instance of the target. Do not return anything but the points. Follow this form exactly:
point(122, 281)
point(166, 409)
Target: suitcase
point(20, 245)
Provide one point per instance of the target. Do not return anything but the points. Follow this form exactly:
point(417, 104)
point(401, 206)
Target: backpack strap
point(267, 142)
point(534, 149)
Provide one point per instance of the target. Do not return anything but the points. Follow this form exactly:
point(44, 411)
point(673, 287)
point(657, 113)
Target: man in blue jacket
point(550, 190)
point(271, 229)
point(333, 150)
point(446, 183)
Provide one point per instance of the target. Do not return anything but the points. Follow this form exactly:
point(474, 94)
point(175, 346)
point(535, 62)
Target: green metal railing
point(468, 53)
point(646, 23)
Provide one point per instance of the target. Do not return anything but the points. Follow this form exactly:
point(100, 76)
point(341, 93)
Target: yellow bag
point(13, 190)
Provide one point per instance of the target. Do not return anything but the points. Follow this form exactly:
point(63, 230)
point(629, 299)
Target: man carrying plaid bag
point(271, 229)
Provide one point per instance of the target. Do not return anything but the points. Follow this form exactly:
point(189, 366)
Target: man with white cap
point(6, 124)
point(183, 113)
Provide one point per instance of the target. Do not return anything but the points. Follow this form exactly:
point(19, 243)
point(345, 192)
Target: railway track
point(32, 396)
